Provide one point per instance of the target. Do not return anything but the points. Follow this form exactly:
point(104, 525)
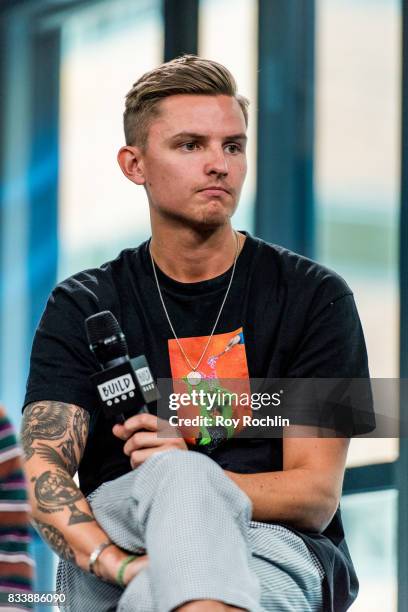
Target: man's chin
point(214, 218)
point(214, 214)
point(205, 219)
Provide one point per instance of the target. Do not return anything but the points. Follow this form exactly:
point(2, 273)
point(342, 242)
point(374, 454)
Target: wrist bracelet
point(93, 557)
point(122, 567)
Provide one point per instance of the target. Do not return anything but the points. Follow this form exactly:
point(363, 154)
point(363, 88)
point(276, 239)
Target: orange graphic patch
point(224, 377)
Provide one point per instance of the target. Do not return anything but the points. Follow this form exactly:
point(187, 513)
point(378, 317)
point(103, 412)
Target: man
point(198, 296)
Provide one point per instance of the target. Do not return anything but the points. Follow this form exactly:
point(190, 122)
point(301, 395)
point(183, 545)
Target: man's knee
point(198, 472)
point(175, 461)
point(181, 464)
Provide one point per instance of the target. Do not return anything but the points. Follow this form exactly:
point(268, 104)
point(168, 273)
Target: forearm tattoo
point(54, 458)
point(68, 452)
point(43, 421)
point(55, 421)
point(55, 491)
point(80, 424)
point(65, 427)
point(56, 540)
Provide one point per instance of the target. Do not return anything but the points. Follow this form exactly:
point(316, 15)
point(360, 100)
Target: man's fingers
point(148, 439)
point(135, 423)
point(119, 432)
point(139, 456)
point(142, 439)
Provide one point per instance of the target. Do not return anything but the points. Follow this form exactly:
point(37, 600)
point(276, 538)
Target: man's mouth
point(213, 190)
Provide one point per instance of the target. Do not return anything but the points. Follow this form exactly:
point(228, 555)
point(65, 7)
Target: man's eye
point(233, 148)
point(189, 146)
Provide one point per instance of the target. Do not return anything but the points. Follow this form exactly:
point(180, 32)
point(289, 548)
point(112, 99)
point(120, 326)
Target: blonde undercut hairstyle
point(188, 74)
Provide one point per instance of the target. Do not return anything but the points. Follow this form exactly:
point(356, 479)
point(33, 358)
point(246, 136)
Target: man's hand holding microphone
point(146, 434)
point(126, 386)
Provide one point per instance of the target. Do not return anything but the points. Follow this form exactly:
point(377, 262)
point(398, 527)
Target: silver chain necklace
point(193, 376)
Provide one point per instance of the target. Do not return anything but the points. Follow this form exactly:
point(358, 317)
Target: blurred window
point(358, 63)
point(370, 522)
point(105, 49)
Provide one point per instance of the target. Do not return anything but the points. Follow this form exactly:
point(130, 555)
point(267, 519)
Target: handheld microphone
point(125, 386)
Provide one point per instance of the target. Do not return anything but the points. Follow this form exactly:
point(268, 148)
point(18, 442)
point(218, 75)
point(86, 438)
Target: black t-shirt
point(295, 319)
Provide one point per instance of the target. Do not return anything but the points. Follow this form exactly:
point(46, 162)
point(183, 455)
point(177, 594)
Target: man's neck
point(188, 256)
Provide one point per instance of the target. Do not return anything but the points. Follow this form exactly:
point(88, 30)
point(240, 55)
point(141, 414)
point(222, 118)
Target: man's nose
point(216, 163)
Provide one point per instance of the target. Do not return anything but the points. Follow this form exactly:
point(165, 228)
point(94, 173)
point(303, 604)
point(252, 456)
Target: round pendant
point(194, 377)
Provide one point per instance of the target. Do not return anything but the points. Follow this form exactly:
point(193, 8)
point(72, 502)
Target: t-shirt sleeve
point(61, 360)
point(331, 361)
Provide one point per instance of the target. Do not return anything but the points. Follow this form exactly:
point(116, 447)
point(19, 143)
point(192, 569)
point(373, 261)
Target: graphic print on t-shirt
point(224, 375)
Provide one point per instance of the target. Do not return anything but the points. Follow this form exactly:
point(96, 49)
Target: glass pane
point(105, 50)
point(370, 523)
point(357, 172)
point(228, 34)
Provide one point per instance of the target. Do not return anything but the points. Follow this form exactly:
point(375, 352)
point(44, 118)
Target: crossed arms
point(305, 494)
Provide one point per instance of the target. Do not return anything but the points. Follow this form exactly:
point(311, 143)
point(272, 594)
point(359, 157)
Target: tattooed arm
point(53, 436)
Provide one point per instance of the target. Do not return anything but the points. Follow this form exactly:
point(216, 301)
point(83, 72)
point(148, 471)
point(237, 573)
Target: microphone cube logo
point(144, 376)
point(116, 387)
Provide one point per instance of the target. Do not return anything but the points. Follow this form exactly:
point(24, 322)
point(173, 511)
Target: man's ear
point(131, 163)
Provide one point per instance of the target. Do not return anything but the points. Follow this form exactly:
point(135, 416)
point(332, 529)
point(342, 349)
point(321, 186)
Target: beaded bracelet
point(122, 567)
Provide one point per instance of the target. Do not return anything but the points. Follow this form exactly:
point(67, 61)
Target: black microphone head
point(105, 337)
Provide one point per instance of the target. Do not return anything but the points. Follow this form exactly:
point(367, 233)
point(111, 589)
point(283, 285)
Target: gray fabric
point(195, 524)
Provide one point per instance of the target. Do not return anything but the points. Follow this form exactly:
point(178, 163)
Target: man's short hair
point(188, 74)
